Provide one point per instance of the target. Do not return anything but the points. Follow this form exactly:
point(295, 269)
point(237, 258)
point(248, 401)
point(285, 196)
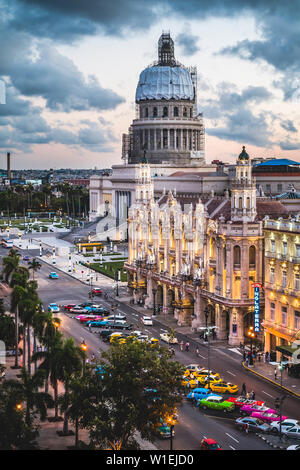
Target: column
point(161, 139)
point(175, 139)
point(244, 270)
point(155, 148)
point(168, 133)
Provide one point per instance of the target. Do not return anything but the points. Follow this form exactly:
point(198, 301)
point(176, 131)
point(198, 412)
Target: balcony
point(275, 327)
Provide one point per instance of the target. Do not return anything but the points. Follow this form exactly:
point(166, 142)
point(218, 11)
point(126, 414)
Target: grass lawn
point(110, 269)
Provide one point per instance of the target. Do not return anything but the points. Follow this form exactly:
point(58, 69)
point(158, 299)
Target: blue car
point(97, 323)
point(96, 310)
point(54, 308)
point(53, 275)
point(198, 394)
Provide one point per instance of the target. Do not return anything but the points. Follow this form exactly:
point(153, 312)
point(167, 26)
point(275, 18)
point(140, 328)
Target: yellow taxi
point(222, 387)
point(117, 337)
point(202, 379)
point(154, 342)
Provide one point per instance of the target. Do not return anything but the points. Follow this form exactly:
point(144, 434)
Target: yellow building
point(282, 285)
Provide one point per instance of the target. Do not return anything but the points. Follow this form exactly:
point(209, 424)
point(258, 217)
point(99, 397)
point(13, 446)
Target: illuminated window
point(237, 255)
point(272, 310)
point(297, 320)
point(273, 246)
point(284, 316)
point(298, 251)
point(252, 256)
point(297, 281)
point(284, 248)
point(284, 279)
point(272, 276)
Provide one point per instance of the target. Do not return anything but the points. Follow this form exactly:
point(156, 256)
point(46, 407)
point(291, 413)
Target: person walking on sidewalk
point(197, 351)
point(252, 395)
point(244, 389)
point(275, 373)
point(181, 345)
point(187, 346)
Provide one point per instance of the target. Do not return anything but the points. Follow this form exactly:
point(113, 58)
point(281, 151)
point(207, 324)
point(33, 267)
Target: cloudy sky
point(71, 68)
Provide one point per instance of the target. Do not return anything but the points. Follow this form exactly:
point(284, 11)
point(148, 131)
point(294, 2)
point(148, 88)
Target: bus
point(89, 246)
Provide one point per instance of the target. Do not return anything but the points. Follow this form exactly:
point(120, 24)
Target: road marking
point(232, 448)
point(268, 394)
point(231, 373)
point(232, 437)
point(202, 356)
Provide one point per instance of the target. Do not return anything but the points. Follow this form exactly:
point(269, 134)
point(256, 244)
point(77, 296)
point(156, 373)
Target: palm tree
point(26, 390)
point(18, 282)
point(50, 361)
point(34, 265)
point(69, 362)
point(10, 264)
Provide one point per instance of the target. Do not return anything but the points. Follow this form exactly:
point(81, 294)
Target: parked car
point(147, 321)
point(293, 432)
point(222, 387)
point(77, 309)
point(68, 307)
point(117, 316)
point(98, 323)
point(209, 444)
point(12, 352)
point(198, 394)
point(168, 338)
point(241, 401)
point(96, 309)
point(193, 369)
point(53, 275)
point(26, 258)
point(87, 318)
point(253, 424)
point(248, 409)
point(54, 308)
point(105, 334)
point(267, 416)
point(215, 402)
point(285, 424)
point(294, 447)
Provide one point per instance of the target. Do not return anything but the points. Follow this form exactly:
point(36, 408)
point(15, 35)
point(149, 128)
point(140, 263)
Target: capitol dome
point(165, 82)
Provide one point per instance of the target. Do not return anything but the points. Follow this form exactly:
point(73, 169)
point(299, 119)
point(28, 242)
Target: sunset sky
point(71, 68)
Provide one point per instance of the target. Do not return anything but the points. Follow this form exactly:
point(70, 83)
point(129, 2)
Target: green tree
point(26, 390)
point(140, 386)
point(34, 266)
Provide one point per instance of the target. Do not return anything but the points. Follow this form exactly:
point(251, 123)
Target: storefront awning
point(286, 350)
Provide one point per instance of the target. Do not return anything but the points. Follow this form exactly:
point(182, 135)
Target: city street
point(193, 424)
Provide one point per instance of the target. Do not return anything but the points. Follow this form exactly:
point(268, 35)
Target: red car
point(68, 307)
point(209, 444)
point(83, 319)
point(241, 401)
point(97, 291)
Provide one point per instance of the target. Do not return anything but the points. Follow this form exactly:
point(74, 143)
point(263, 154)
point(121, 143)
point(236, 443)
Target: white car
point(168, 339)
point(147, 321)
point(77, 309)
point(293, 432)
point(294, 447)
point(117, 316)
point(194, 368)
point(285, 425)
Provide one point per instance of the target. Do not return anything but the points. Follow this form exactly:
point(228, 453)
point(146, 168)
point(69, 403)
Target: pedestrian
point(252, 395)
point(264, 356)
point(196, 382)
point(244, 389)
point(258, 356)
point(191, 375)
point(197, 351)
point(90, 328)
point(247, 360)
point(267, 356)
point(275, 374)
point(244, 356)
point(187, 346)
point(181, 345)
point(247, 428)
point(248, 396)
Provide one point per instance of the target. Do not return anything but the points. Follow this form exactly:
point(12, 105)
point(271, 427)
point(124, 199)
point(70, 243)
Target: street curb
point(275, 446)
point(270, 380)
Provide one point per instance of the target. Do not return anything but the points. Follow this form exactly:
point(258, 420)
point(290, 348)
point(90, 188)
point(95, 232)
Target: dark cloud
point(232, 117)
point(288, 145)
point(187, 41)
point(288, 125)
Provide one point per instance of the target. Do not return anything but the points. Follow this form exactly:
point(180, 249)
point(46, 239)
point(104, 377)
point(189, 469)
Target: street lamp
point(251, 335)
point(282, 397)
point(171, 422)
point(83, 349)
point(207, 332)
point(154, 294)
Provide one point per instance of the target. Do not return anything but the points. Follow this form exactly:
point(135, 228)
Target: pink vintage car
point(267, 416)
point(248, 409)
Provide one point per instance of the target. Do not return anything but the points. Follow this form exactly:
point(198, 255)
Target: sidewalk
point(266, 371)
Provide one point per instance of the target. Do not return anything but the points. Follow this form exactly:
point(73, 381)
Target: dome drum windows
point(237, 257)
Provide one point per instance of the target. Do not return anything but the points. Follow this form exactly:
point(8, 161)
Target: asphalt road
point(193, 424)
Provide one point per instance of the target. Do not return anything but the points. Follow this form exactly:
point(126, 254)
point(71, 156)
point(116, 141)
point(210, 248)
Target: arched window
point(146, 112)
point(176, 111)
point(240, 203)
point(248, 203)
point(165, 111)
point(155, 111)
point(191, 112)
point(237, 256)
point(184, 112)
point(252, 256)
